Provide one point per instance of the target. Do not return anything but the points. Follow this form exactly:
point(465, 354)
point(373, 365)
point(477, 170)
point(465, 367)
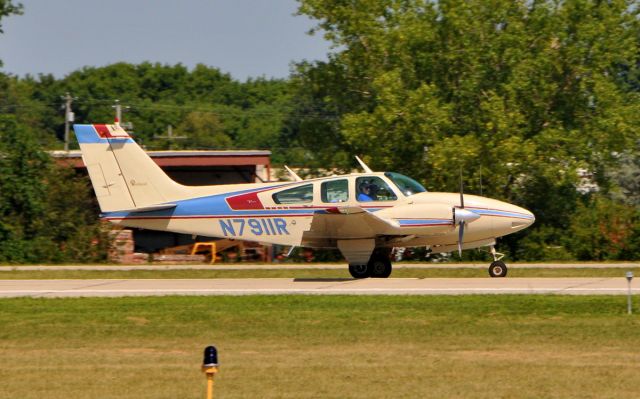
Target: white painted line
point(286, 291)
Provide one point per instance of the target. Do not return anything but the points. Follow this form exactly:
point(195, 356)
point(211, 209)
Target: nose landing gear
point(497, 268)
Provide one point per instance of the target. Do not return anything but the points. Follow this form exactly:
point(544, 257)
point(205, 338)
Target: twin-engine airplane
point(364, 215)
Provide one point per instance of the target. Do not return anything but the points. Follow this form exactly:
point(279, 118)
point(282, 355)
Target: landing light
point(210, 367)
point(210, 356)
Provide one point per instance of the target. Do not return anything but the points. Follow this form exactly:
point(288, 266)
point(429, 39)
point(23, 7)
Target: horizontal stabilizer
point(150, 208)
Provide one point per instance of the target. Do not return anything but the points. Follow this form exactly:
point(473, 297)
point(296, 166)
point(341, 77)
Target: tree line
point(537, 102)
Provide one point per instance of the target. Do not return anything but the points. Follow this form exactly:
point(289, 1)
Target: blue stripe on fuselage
point(494, 212)
point(213, 205)
point(423, 222)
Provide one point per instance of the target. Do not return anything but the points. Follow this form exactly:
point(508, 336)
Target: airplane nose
point(507, 218)
point(531, 215)
point(522, 218)
point(528, 215)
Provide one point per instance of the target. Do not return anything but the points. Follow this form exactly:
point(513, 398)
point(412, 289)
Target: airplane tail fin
point(123, 176)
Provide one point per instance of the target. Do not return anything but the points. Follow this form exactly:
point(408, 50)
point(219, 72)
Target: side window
point(373, 188)
point(335, 191)
point(296, 195)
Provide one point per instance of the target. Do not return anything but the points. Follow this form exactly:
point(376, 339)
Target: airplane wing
point(350, 222)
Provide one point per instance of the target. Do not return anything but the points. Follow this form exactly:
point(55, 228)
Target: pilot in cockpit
point(367, 192)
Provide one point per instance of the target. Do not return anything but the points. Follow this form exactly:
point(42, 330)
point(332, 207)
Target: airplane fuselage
point(361, 214)
point(260, 214)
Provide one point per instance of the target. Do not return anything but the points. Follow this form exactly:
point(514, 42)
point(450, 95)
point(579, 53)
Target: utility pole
point(128, 126)
point(118, 108)
point(68, 118)
point(170, 136)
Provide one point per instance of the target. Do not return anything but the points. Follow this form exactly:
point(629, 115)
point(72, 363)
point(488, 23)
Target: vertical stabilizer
point(122, 174)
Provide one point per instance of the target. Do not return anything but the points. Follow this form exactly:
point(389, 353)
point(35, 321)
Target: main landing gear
point(497, 268)
point(379, 266)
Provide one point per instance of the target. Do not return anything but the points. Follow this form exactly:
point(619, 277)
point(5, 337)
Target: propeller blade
point(460, 237)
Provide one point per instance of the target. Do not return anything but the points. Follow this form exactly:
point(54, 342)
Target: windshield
point(407, 185)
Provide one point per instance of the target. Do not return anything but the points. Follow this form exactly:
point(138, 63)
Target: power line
point(286, 111)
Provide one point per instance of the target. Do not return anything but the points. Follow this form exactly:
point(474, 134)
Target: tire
point(380, 266)
point(498, 269)
point(359, 271)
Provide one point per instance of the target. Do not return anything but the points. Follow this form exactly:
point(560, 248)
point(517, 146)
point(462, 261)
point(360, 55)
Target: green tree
point(7, 8)
point(204, 131)
point(524, 93)
point(155, 96)
point(22, 194)
point(625, 177)
point(603, 229)
point(46, 212)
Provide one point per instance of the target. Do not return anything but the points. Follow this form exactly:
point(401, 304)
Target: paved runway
point(320, 266)
point(279, 286)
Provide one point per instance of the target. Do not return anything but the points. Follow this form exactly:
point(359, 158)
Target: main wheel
point(498, 269)
point(380, 266)
point(359, 270)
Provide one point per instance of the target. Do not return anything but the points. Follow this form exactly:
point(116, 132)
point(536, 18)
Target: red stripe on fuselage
point(245, 201)
point(204, 217)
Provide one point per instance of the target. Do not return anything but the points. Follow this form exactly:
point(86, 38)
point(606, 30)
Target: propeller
point(462, 216)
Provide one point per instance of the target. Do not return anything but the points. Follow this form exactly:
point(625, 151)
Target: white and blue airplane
point(364, 215)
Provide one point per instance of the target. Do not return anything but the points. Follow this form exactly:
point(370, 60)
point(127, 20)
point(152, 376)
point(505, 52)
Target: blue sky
point(246, 38)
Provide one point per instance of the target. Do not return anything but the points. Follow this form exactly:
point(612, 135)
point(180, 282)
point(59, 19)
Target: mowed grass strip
point(321, 347)
point(63, 273)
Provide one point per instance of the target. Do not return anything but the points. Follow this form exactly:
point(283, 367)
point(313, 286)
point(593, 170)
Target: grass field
point(63, 273)
point(321, 347)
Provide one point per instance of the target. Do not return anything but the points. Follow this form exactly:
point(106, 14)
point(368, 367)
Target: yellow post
point(210, 371)
point(210, 367)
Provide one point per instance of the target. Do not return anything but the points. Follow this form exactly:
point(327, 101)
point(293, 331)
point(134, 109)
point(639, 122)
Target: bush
point(46, 211)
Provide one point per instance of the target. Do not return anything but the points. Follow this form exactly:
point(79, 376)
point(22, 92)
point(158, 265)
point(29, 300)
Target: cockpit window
point(373, 188)
point(407, 185)
point(335, 190)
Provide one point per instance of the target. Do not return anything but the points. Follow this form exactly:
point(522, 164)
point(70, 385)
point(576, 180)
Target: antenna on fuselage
point(293, 174)
point(364, 165)
point(481, 180)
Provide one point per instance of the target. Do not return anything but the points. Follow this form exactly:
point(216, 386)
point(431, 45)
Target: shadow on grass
point(321, 280)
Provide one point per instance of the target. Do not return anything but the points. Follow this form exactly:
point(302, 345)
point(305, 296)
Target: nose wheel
point(497, 268)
